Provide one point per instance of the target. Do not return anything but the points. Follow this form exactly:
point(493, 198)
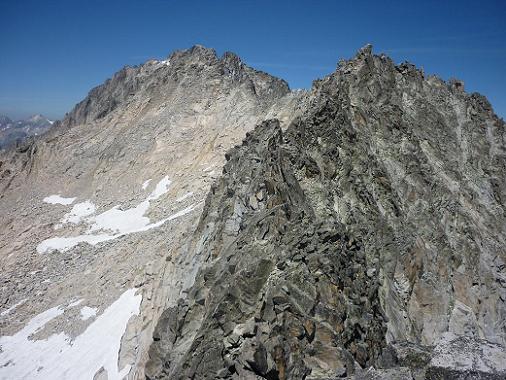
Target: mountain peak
point(196, 53)
point(36, 118)
point(365, 50)
point(5, 119)
point(196, 67)
point(12, 133)
point(358, 229)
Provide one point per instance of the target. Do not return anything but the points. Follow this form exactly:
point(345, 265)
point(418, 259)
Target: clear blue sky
point(52, 52)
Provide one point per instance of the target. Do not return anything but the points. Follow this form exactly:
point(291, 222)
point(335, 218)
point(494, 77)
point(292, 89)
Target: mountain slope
point(370, 233)
point(90, 209)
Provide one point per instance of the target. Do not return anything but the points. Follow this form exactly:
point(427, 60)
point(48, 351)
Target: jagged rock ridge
point(366, 241)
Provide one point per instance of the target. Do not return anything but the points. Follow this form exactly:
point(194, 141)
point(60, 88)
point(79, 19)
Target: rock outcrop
point(365, 241)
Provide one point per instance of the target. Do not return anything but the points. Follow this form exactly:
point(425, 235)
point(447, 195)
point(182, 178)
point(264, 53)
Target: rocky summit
point(194, 218)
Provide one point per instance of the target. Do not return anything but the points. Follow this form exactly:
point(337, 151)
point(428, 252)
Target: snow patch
point(58, 357)
point(112, 223)
point(146, 184)
point(63, 244)
point(78, 212)
point(58, 200)
point(75, 303)
point(88, 312)
point(161, 188)
point(122, 221)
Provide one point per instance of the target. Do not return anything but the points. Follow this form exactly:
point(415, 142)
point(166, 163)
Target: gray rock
point(382, 214)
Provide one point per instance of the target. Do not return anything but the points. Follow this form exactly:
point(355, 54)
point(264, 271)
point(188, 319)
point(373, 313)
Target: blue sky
point(53, 52)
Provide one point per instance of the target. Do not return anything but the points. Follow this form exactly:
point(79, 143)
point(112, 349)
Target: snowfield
point(78, 212)
point(111, 224)
point(58, 200)
point(88, 312)
point(59, 357)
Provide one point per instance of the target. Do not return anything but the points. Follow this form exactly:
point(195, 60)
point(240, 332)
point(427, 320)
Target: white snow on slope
point(126, 221)
point(63, 244)
point(113, 223)
point(58, 200)
point(161, 188)
point(88, 312)
point(75, 303)
point(183, 197)
point(78, 212)
point(7, 311)
point(146, 184)
point(57, 357)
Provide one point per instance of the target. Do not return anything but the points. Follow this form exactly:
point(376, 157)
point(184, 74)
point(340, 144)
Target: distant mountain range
point(12, 132)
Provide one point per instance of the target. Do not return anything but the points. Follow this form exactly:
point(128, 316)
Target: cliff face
point(369, 233)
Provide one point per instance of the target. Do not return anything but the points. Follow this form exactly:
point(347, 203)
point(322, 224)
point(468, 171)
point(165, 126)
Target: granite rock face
point(364, 241)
